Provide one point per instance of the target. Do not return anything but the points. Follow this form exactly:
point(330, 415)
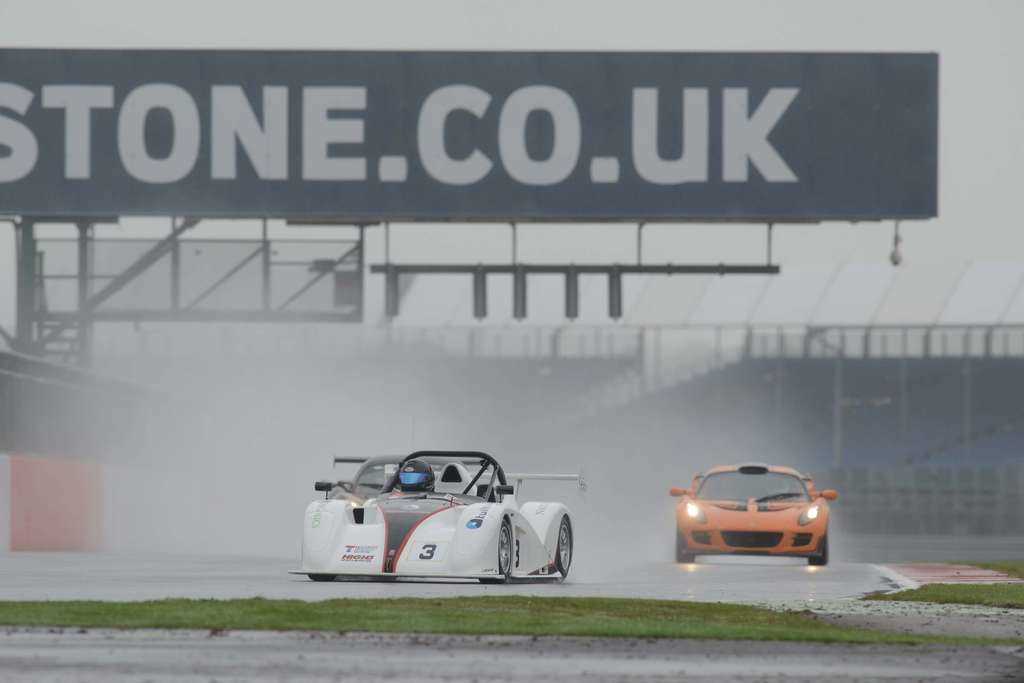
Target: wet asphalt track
point(121, 657)
point(76, 576)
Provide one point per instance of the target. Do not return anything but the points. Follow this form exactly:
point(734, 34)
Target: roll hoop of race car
point(753, 509)
point(435, 517)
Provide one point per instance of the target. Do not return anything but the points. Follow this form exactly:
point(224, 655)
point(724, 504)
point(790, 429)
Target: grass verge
point(517, 615)
point(990, 595)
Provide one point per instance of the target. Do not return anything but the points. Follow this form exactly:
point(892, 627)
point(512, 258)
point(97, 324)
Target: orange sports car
point(753, 510)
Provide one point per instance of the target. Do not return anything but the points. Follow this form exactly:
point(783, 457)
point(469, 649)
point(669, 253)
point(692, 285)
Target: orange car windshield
point(764, 487)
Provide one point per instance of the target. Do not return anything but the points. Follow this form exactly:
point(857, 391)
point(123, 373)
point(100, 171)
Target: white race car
point(471, 525)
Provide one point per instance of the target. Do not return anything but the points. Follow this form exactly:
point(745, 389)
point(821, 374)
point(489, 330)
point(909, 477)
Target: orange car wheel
point(683, 553)
point(821, 559)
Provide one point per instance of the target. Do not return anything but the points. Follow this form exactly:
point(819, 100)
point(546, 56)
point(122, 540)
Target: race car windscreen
point(374, 477)
point(763, 488)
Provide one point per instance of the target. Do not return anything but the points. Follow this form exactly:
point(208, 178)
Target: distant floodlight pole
point(771, 226)
point(640, 243)
point(515, 244)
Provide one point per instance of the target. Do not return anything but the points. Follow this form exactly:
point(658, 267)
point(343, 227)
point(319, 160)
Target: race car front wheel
point(563, 554)
point(504, 554)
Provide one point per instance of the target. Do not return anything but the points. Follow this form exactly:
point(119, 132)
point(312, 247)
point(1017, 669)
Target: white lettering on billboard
point(15, 135)
point(430, 129)
point(692, 164)
point(320, 130)
point(745, 135)
point(565, 148)
point(78, 101)
point(234, 124)
point(131, 133)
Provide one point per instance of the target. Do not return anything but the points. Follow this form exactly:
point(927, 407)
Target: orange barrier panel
point(56, 504)
point(5, 503)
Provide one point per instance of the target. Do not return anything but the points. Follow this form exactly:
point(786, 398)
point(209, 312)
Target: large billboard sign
point(469, 135)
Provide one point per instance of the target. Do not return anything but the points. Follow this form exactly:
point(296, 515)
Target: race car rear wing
point(519, 478)
point(349, 461)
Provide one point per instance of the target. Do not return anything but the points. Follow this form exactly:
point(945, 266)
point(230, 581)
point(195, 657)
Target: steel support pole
point(968, 408)
point(615, 294)
point(175, 267)
point(265, 267)
point(904, 400)
point(362, 271)
point(26, 286)
point(85, 320)
point(391, 294)
point(837, 413)
point(777, 398)
point(572, 295)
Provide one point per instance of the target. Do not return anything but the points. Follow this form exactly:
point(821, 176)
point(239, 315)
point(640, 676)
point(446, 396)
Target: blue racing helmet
point(416, 475)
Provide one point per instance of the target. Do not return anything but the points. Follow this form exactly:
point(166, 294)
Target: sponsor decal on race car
point(359, 553)
point(541, 509)
point(314, 520)
point(478, 521)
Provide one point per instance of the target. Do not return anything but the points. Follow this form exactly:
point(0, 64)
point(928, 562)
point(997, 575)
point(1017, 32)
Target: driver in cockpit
point(415, 476)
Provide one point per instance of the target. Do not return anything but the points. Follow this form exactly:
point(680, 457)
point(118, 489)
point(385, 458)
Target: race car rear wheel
point(504, 554)
point(821, 559)
point(683, 553)
point(563, 553)
point(321, 577)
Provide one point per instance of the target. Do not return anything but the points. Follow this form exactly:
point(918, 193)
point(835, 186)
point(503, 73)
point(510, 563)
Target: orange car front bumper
point(752, 533)
point(722, 542)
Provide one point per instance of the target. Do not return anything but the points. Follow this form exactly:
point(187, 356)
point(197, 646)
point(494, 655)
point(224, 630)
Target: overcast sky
point(982, 95)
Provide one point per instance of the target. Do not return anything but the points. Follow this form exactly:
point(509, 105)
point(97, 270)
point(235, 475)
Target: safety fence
point(963, 501)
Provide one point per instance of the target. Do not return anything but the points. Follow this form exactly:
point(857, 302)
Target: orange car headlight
point(694, 512)
point(809, 515)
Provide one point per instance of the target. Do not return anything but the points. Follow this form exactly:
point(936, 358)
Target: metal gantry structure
point(65, 333)
point(569, 271)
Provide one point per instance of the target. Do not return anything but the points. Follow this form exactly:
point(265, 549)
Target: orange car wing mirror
point(829, 494)
point(677, 492)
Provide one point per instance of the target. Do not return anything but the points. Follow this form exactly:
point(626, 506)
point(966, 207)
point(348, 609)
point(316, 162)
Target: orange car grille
point(752, 539)
point(801, 539)
point(702, 537)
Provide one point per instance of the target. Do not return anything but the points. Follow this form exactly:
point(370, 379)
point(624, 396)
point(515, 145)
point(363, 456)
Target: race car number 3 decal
point(429, 551)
